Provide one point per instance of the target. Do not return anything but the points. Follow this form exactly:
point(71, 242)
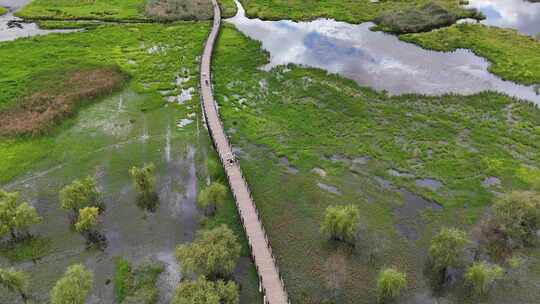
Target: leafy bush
point(517, 216)
point(481, 276)
point(207, 292)
point(73, 287)
point(144, 181)
point(446, 248)
point(341, 223)
point(390, 284)
point(214, 253)
point(212, 197)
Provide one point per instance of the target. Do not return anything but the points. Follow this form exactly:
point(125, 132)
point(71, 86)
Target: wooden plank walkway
point(269, 279)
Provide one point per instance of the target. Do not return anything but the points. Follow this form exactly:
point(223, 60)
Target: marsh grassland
point(412, 164)
point(514, 56)
point(118, 10)
point(152, 115)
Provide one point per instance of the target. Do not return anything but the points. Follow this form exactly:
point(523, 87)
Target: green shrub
point(214, 253)
point(390, 284)
point(481, 276)
point(341, 223)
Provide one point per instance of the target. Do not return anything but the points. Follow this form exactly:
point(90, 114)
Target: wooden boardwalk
point(270, 281)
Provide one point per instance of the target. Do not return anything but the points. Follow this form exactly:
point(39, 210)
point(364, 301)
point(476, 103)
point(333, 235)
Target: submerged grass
point(514, 56)
point(136, 285)
point(28, 250)
point(141, 51)
point(356, 137)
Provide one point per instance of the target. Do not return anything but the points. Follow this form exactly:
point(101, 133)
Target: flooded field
point(120, 137)
point(375, 59)
point(12, 27)
point(521, 15)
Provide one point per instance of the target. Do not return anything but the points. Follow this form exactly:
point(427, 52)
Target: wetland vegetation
point(113, 192)
point(346, 144)
point(125, 123)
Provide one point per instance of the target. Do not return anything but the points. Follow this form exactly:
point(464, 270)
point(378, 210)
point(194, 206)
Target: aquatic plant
point(144, 181)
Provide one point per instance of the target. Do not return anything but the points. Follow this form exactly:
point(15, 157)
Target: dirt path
point(271, 283)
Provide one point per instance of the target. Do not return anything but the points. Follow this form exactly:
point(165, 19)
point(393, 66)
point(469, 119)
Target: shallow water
point(521, 15)
point(375, 59)
point(25, 29)
point(131, 233)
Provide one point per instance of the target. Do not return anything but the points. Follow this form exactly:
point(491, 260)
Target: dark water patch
point(329, 188)
point(284, 161)
point(429, 183)
point(396, 173)
point(521, 15)
point(375, 59)
point(408, 215)
point(491, 181)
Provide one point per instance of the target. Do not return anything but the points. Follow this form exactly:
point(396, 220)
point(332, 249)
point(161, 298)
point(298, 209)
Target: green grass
point(353, 11)
point(136, 285)
point(28, 250)
point(228, 8)
point(117, 10)
point(3, 10)
point(125, 46)
point(110, 10)
point(309, 116)
point(513, 56)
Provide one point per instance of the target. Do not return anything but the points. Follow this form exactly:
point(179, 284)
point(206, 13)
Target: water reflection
point(375, 59)
point(12, 28)
point(521, 15)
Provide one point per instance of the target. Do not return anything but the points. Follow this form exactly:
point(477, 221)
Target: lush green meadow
point(307, 140)
point(514, 56)
point(3, 10)
point(112, 10)
point(118, 10)
point(107, 136)
point(353, 11)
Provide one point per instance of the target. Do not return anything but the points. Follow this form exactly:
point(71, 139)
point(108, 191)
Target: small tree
point(517, 216)
point(144, 181)
point(16, 218)
point(87, 226)
point(206, 292)
point(73, 287)
point(390, 284)
point(79, 194)
point(481, 276)
point(341, 223)
point(214, 253)
point(15, 281)
point(446, 248)
point(211, 198)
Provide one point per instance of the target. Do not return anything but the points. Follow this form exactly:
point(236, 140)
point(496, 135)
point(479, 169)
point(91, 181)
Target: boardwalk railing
point(270, 282)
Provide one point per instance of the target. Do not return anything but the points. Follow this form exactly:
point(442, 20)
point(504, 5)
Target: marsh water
point(104, 142)
point(12, 27)
point(521, 15)
point(375, 59)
